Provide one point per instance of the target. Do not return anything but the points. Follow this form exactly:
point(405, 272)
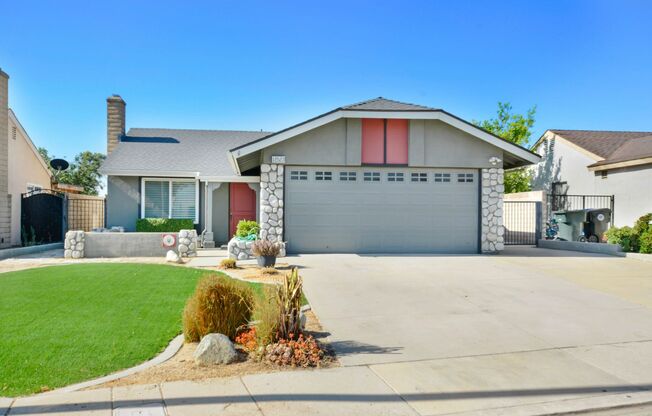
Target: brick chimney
point(115, 121)
point(5, 198)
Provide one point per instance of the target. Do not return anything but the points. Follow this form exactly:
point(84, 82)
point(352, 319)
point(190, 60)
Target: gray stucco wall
point(447, 146)
point(123, 201)
point(432, 143)
point(221, 214)
point(563, 163)
point(325, 145)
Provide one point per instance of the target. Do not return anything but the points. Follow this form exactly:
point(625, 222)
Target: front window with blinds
point(164, 198)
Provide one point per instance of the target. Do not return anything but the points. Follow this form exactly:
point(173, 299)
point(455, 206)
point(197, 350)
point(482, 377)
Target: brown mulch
point(254, 273)
point(183, 367)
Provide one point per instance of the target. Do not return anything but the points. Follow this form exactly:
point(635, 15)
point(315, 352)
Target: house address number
point(278, 159)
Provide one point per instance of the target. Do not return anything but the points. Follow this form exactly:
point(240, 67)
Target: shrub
point(623, 236)
point(645, 242)
point(267, 315)
point(302, 352)
point(289, 296)
point(228, 264)
point(247, 229)
point(261, 248)
point(163, 225)
point(219, 305)
point(643, 225)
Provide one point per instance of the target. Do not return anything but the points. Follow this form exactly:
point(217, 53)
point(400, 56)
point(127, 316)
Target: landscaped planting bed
point(65, 324)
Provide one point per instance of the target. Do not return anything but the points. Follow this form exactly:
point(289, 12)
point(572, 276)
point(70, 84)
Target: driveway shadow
point(344, 348)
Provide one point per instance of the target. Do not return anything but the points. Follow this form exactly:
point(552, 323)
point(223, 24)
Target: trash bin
point(583, 225)
point(597, 223)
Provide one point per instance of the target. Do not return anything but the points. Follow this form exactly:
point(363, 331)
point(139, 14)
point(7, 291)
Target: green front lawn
point(65, 324)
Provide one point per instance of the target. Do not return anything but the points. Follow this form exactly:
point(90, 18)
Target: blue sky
point(266, 65)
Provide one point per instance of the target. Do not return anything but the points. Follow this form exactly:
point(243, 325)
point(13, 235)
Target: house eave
point(520, 152)
point(623, 164)
point(136, 172)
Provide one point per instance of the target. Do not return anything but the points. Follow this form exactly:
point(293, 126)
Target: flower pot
point(266, 261)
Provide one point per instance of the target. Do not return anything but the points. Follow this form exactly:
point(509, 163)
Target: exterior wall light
point(494, 160)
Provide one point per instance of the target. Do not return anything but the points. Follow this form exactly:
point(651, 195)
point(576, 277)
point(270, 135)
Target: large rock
point(215, 349)
point(172, 257)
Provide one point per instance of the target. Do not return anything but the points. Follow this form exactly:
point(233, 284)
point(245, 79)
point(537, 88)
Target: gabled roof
point(611, 147)
point(383, 104)
point(601, 143)
point(384, 108)
point(176, 153)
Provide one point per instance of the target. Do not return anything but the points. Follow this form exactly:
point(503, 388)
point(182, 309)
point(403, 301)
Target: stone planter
point(266, 261)
point(241, 249)
point(187, 243)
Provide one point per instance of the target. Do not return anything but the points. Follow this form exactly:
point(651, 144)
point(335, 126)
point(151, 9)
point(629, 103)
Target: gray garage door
point(381, 210)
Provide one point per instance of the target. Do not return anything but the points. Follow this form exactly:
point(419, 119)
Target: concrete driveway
point(525, 327)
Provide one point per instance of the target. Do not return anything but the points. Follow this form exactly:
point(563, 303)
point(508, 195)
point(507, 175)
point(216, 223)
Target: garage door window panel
point(348, 176)
point(372, 176)
point(323, 176)
point(299, 175)
point(419, 177)
point(395, 177)
point(442, 177)
point(465, 177)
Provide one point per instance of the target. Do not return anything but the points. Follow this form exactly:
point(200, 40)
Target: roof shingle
point(383, 104)
point(612, 146)
point(203, 152)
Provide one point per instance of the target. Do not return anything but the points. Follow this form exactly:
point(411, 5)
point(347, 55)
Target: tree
point(84, 171)
point(516, 128)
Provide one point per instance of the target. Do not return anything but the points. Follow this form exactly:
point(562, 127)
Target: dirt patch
point(182, 366)
point(253, 273)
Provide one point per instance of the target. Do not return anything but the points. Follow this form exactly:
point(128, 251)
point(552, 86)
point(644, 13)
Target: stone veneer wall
point(271, 202)
point(493, 188)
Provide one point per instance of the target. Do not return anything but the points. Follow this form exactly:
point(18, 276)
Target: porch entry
point(242, 205)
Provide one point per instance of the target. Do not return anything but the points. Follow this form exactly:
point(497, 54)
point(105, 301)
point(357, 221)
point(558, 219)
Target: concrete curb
point(21, 251)
point(597, 248)
point(173, 347)
point(573, 406)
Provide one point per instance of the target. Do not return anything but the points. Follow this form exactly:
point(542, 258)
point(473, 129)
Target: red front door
point(242, 205)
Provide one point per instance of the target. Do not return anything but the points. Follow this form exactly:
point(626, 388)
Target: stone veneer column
point(271, 202)
point(493, 233)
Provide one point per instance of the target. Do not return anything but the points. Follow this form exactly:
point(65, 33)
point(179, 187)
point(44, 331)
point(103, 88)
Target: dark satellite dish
point(59, 164)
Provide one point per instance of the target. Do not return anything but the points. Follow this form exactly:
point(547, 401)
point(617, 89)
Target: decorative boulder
point(215, 349)
point(172, 257)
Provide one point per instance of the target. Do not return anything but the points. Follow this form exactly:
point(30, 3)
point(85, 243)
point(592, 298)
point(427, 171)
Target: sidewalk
point(340, 391)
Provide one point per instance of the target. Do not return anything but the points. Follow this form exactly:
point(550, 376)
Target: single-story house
point(22, 169)
point(594, 162)
point(379, 176)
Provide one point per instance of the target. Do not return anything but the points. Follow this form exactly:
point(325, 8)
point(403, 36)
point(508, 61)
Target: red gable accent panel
point(373, 140)
point(397, 142)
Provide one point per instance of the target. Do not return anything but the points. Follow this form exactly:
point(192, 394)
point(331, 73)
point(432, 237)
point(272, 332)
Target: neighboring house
point(377, 176)
point(591, 162)
point(22, 169)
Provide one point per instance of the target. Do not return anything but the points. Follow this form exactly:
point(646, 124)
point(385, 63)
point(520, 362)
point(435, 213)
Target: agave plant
point(289, 300)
